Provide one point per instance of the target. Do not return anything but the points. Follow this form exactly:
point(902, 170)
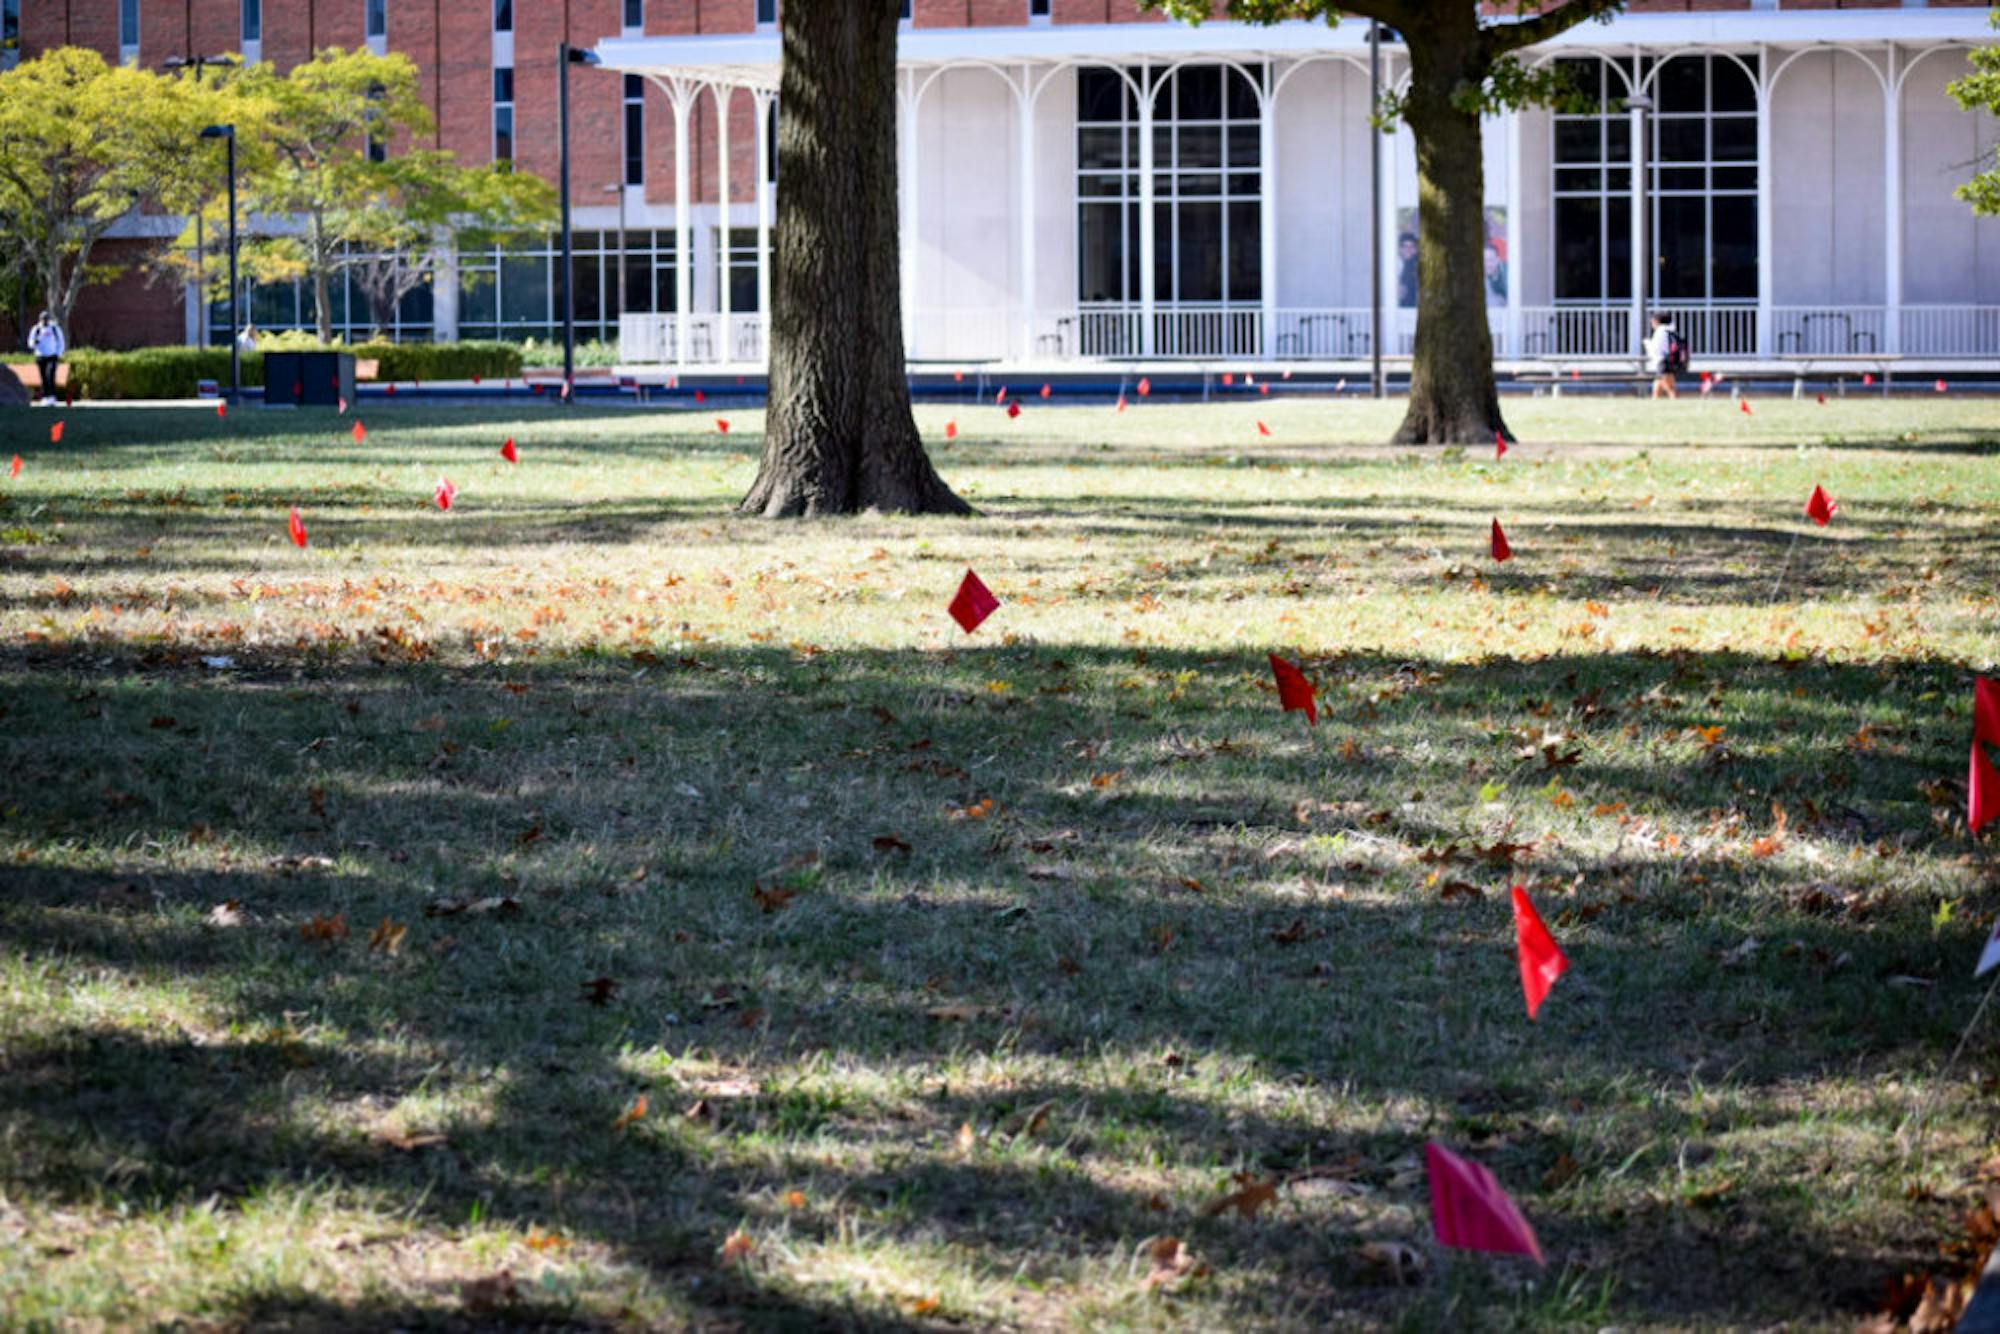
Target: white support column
point(764, 103)
point(1025, 100)
point(1640, 131)
point(1267, 210)
point(683, 241)
point(1146, 240)
point(1766, 269)
point(1892, 214)
point(1392, 309)
point(907, 189)
point(444, 293)
point(725, 98)
point(1514, 265)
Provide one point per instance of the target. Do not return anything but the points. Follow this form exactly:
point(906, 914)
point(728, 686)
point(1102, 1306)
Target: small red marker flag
point(1820, 507)
point(1121, 402)
point(509, 453)
point(445, 493)
point(1263, 388)
point(55, 434)
point(359, 432)
point(1499, 444)
point(14, 468)
point(1575, 374)
point(222, 409)
point(722, 425)
point(951, 430)
point(569, 388)
point(958, 377)
point(1744, 405)
point(1228, 380)
point(1295, 693)
point(1868, 378)
point(1013, 409)
point(1982, 792)
point(1145, 387)
point(1985, 704)
point(475, 381)
point(1047, 390)
point(391, 388)
point(297, 528)
point(1542, 962)
point(1471, 1211)
point(343, 407)
point(700, 397)
point(1501, 551)
point(1000, 397)
point(1263, 429)
point(535, 388)
point(973, 603)
point(1940, 386)
point(1822, 400)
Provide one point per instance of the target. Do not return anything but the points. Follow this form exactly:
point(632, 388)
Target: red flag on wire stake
point(445, 493)
point(297, 528)
point(1499, 444)
point(973, 603)
point(1868, 378)
point(359, 432)
point(55, 434)
point(1145, 387)
point(1295, 693)
point(1471, 1211)
point(14, 468)
point(1228, 380)
point(1000, 397)
point(343, 407)
point(1263, 429)
point(1542, 961)
point(222, 409)
point(1121, 402)
point(1743, 405)
point(1047, 390)
point(1501, 549)
point(1820, 507)
point(700, 397)
point(1263, 388)
point(509, 453)
point(722, 425)
point(475, 382)
point(1986, 710)
point(1982, 791)
point(390, 388)
point(1014, 409)
point(1941, 386)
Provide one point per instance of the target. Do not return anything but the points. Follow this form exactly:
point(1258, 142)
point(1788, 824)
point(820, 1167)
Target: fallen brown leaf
point(631, 1115)
point(1246, 1201)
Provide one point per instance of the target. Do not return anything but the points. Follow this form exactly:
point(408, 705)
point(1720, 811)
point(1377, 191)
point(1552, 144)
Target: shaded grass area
point(954, 971)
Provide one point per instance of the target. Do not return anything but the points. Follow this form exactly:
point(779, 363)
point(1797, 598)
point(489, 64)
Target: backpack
point(1677, 352)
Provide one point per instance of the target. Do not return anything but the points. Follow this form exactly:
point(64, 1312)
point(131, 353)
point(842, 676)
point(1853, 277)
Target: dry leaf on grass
point(1246, 1201)
point(325, 929)
point(1172, 1262)
point(738, 1247)
point(482, 1296)
point(228, 913)
point(958, 1012)
point(599, 991)
point(773, 899)
point(631, 1115)
point(408, 1143)
point(388, 937)
point(496, 906)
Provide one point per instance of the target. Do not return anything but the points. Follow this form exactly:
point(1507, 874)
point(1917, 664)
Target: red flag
point(1013, 409)
point(69, 396)
point(509, 453)
point(55, 434)
point(475, 381)
point(445, 493)
point(1820, 507)
point(1295, 693)
point(360, 432)
point(700, 397)
point(1985, 698)
point(1000, 397)
point(1263, 429)
point(973, 603)
point(1822, 400)
point(1982, 794)
point(1499, 444)
point(1263, 388)
point(1471, 1211)
point(298, 392)
point(1541, 961)
point(1228, 380)
point(569, 389)
point(343, 407)
point(1575, 374)
point(1046, 391)
point(297, 528)
point(1744, 404)
point(1868, 378)
point(1121, 402)
point(1145, 387)
point(722, 425)
point(535, 388)
point(391, 388)
point(1940, 386)
point(958, 377)
point(951, 430)
point(1501, 551)
point(221, 409)
point(14, 468)
point(1708, 377)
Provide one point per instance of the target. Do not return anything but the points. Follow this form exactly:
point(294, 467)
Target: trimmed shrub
point(441, 361)
point(173, 372)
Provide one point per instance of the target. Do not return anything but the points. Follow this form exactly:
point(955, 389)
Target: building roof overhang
point(751, 59)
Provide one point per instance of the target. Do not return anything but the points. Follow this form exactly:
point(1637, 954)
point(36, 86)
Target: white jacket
point(1657, 343)
point(47, 340)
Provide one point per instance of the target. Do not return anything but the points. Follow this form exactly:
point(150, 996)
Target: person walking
point(1666, 357)
point(48, 344)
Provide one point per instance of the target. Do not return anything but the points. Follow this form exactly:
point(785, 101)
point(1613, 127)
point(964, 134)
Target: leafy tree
point(1980, 91)
point(840, 437)
point(84, 144)
point(1463, 64)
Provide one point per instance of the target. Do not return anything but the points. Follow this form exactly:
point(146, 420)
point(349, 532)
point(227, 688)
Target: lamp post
point(619, 190)
point(227, 133)
point(1642, 245)
point(173, 65)
point(567, 55)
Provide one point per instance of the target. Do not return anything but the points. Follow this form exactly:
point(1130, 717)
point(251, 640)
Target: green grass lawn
point(958, 973)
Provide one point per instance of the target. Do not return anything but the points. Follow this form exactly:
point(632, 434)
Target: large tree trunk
point(840, 438)
point(1452, 395)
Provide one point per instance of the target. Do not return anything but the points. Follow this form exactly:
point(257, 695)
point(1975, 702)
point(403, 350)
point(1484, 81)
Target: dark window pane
point(635, 144)
point(503, 15)
point(1100, 187)
point(1618, 139)
point(1682, 248)
point(1098, 148)
point(478, 298)
point(1200, 252)
point(1163, 253)
point(1202, 186)
point(503, 85)
point(1245, 183)
point(1101, 252)
point(1734, 244)
point(1579, 247)
point(1246, 272)
point(416, 306)
point(1618, 180)
point(1201, 147)
point(1618, 246)
point(1680, 178)
point(1682, 140)
point(1682, 85)
point(1245, 149)
point(1735, 138)
point(1198, 93)
point(585, 274)
point(524, 289)
point(1100, 94)
point(1735, 178)
point(1730, 86)
point(638, 285)
point(1579, 140)
point(1570, 180)
point(743, 288)
point(1242, 96)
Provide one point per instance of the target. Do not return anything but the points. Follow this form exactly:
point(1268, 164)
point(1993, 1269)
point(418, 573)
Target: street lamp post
point(227, 133)
point(173, 65)
point(619, 190)
point(1642, 245)
point(567, 55)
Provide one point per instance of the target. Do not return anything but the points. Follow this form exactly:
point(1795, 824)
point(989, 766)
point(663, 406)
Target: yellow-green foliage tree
point(84, 144)
point(1980, 91)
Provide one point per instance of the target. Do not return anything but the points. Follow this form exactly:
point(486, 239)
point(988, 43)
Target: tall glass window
point(10, 32)
point(375, 18)
point(1701, 182)
point(128, 27)
point(503, 115)
point(1207, 187)
point(767, 13)
point(503, 15)
point(253, 20)
point(635, 14)
point(635, 130)
point(510, 291)
point(738, 261)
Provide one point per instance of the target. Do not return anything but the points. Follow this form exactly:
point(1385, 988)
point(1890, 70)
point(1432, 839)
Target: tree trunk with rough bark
point(1452, 395)
point(840, 438)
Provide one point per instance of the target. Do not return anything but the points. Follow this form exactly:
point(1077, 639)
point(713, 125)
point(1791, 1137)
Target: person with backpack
point(46, 341)
point(1666, 357)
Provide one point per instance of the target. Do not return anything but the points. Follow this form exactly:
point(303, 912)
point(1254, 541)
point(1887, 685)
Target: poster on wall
point(1409, 247)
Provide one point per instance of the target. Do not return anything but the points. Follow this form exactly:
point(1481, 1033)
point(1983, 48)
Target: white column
point(1025, 97)
point(1766, 269)
point(683, 242)
point(907, 188)
point(1892, 214)
point(1392, 310)
point(725, 97)
point(763, 103)
point(1514, 265)
point(1267, 211)
point(1146, 293)
point(1641, 247)
point(444, 294)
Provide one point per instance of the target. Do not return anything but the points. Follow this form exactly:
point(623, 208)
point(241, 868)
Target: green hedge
point(173, 372)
